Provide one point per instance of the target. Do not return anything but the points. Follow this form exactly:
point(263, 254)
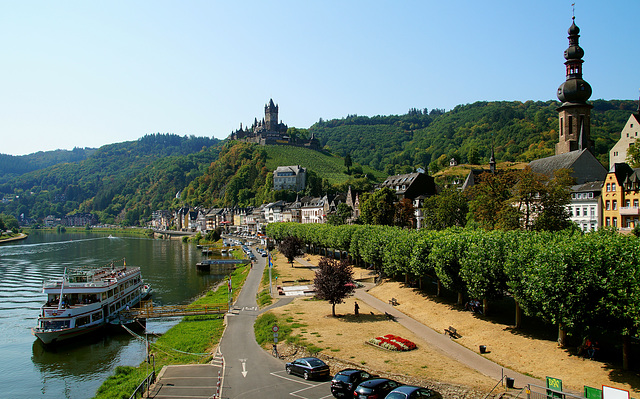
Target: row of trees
point(587, 284)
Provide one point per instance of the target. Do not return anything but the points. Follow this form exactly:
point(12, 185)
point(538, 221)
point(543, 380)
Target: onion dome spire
point(574, 89)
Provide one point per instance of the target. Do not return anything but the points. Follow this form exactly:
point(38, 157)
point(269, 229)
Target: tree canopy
point(333, 281)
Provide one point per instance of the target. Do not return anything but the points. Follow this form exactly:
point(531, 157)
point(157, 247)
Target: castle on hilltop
point(269, 131)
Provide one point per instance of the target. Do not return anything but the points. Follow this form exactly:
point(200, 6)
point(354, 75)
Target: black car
point(346, 381)
point(308, 367)
point(413, 392)
point(376, 388)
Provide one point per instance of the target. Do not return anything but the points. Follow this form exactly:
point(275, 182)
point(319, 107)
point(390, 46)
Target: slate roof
point(585, 167)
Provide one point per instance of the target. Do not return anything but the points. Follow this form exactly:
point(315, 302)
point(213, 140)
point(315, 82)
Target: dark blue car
point(376, 388)
point(308, 367)
point(411, 392)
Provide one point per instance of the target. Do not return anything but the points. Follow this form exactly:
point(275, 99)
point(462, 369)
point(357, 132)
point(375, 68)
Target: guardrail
point(148, 311)
point(144, 386)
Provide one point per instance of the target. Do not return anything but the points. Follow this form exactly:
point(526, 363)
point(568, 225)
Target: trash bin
point(483, 349)
point(509, 382)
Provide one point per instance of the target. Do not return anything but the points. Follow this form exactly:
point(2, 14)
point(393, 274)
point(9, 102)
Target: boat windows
point(55, 324)
point(96, 316)
point(104, 296)
point(81, 321)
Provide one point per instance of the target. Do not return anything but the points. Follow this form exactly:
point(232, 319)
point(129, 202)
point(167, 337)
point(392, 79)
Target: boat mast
point(64, 277)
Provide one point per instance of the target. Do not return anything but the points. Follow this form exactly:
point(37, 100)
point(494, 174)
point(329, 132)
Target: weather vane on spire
point(573, 10)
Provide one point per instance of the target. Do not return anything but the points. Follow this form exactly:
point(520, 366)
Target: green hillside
point(120, 182)
point(520, 131)
point(325, 165)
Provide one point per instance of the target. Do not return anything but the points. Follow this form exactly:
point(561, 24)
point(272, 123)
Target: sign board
point(614, 393)
point(274, 329)
point(592, 393)
point(275, 340)
point(556, 385)
point(275, 335)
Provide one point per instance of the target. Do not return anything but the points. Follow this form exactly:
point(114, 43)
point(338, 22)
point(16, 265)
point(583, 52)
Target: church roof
point(585, 167)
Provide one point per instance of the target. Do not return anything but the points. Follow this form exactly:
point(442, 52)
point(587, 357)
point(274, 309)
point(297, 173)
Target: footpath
point(441, 342)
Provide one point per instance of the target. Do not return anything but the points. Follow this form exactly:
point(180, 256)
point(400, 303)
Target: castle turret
point(271, 116)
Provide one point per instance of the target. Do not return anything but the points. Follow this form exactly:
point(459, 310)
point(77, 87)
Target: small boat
point(85, 300)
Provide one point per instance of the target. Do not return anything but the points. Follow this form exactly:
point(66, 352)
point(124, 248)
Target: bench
point(393, 302)
point(390, 316)
point(452, 332)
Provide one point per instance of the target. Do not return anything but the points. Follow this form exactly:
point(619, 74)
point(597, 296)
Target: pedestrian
point(356, 308)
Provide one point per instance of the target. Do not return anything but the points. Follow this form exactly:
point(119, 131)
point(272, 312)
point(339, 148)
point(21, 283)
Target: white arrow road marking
point(244, 367)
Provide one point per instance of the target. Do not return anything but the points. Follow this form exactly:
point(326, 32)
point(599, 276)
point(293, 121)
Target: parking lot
point(306, 389)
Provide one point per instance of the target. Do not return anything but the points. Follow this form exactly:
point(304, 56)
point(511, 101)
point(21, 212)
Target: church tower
point(574, 113)
point(271, 116)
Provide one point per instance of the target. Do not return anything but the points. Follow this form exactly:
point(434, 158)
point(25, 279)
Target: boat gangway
point(148, 311)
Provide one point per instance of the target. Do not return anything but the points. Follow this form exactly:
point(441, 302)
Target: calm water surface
point(76, 370)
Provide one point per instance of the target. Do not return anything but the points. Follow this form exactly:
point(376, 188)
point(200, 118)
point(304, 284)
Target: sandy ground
point(524, 351)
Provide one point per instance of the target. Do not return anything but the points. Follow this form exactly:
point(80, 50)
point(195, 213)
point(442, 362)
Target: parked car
point(345, 382)
point(376, 388)
point(412, 392)
point(308, 367)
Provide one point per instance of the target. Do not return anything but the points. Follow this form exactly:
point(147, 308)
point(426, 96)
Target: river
point(76, 370)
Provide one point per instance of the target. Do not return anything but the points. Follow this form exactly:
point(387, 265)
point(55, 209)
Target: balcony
point(629, 211)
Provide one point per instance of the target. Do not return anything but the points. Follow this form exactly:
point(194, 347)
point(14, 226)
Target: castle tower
point(574, 113)
point(271, 116)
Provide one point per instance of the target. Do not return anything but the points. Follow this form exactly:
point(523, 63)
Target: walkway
point(441, 342)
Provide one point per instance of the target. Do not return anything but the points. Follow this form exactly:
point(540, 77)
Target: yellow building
point(621, 197)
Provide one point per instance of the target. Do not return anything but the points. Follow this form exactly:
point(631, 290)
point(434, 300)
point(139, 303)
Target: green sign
point(592, 393)
point(556, 385)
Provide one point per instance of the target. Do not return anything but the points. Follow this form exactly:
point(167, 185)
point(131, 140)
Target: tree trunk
point(626, 351)
point(333, 309)
point(485, 306)
point(562, 335)
point(406, 278)
point(439, 289)
point(460, 298)
point(420, 282)
point(518, 315)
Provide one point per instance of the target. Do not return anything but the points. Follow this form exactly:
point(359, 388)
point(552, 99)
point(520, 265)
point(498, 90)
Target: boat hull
point(51, 337)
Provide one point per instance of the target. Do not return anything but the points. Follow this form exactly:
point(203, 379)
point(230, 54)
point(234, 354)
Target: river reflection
point(76, 369)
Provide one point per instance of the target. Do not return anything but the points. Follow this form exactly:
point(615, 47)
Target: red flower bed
point(393, 342)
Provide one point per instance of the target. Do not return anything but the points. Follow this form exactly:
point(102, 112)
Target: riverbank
point(20, 236)
point(111, 230)
point(191, 341)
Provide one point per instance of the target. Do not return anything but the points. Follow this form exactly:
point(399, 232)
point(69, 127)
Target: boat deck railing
point(148, 311)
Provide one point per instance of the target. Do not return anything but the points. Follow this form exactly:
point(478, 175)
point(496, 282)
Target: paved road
point(251, 372)
point(248, 370)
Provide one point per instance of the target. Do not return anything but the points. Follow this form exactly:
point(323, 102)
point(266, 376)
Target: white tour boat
point(84, 300)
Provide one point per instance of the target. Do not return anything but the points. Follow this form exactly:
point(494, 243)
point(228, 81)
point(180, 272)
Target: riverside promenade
point(248, 371)
point(441, 342)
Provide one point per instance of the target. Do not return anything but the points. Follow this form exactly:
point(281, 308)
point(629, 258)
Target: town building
point(411, 185)
point(289, 178)
point(628, 136)
point(585, 206)
point(621, 197)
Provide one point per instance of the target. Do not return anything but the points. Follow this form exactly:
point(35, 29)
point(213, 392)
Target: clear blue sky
point(89, 73)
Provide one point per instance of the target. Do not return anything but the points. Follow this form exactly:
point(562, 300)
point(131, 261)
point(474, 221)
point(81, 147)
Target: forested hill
point(15, 165)
point(520, 132)
point(119, 182)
